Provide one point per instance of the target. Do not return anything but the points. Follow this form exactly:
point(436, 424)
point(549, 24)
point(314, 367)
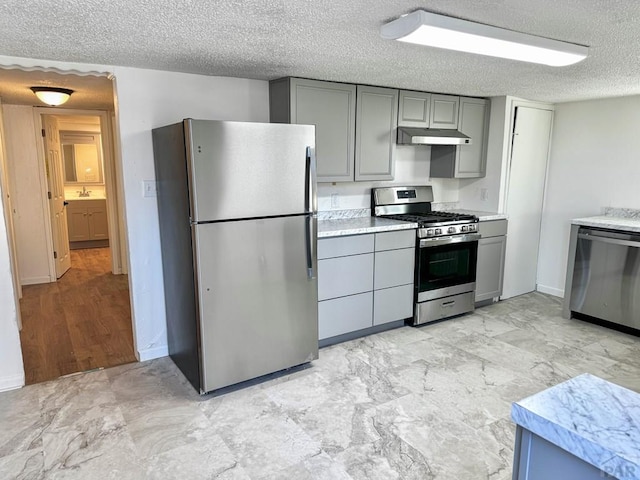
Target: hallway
point(81, 322)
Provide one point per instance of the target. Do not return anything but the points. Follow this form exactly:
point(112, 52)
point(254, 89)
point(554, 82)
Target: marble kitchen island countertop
point(360, 225)
point(590, 418)
point(627, 224)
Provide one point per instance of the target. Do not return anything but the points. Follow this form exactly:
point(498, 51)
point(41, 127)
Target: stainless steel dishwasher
point(606, 276)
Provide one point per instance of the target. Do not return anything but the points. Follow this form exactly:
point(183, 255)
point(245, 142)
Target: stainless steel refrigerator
point(237, 211)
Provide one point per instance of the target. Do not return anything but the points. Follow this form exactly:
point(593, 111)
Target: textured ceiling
point(332, 40)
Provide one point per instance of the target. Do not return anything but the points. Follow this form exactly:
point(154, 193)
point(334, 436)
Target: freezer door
point(258, 297)
point(247, 170)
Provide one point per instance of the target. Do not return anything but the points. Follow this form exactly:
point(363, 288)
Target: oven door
point(446, 266)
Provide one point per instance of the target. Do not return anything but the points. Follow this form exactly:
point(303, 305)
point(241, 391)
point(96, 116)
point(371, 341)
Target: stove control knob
point(464, 228)
point(438, 231)
point(451, 230)
point(472, 228)
point(430, 232)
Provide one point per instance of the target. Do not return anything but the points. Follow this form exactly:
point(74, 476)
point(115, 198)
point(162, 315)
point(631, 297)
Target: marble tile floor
point(411, 403)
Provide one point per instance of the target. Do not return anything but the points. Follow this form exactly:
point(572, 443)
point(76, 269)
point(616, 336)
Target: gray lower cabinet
point(491, 255)
point(87, 220)
point(376, 122)
point(331, 107)
point(537, 459)
point(364, 281)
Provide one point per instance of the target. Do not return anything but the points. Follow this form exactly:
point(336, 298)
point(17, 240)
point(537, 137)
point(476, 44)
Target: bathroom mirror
point(82, 157)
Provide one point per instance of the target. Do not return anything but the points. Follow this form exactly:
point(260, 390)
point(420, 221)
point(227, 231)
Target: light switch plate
point(149, 188)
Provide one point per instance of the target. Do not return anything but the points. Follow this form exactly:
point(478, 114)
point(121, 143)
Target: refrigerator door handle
point(310, 239)
point(311, 206)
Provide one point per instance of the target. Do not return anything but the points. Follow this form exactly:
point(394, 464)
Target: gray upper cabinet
point(444, 111)
point(414, 109)
point(376, 122)
point(331, 107)
point(465, 161)
point(474, 119)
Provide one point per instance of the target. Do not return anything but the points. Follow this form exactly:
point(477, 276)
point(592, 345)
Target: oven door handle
point(434, 242)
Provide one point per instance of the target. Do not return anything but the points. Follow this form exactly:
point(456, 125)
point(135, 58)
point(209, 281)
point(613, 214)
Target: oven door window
point(447, 265)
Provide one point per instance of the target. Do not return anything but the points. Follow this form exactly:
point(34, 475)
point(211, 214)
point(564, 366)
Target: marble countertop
point(609, 221)
point(594, 420)
point(360, 225)
point(74, 199)
point(482, 216)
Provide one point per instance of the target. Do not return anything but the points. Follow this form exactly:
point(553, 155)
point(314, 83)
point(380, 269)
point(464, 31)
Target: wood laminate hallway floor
point(81, 322)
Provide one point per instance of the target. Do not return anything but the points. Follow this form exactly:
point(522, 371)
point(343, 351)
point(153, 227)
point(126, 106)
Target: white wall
point(146, 99)
point(412, 168)
point(25, 177)
point(594, 163)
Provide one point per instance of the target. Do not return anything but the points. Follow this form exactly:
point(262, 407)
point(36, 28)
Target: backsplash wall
point(412, 168)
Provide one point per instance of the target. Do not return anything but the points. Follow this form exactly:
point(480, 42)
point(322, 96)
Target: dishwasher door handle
point(613, 241)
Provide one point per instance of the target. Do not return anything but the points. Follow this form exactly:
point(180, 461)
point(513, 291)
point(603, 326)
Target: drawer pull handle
point(450, 303)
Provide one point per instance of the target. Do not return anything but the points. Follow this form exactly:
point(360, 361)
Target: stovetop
point(434, 218)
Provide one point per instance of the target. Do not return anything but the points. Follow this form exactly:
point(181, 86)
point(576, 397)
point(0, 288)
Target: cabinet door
point(342, 276)
point(490, 267)
point(413, 109)
point(473, 122)
point(376, 122)
point(393, 268)
point(392, 304)
point(78, 223)
point(444, 111)
point(331, 107)
point(98, 225)
point(345, 315)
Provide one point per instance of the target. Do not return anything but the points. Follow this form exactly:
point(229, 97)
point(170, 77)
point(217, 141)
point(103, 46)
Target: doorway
point(76, 313)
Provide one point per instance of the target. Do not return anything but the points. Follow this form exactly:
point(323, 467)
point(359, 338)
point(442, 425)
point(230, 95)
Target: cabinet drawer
point(394, 267)
point(392, 304)
point(343, 246)
point(395, 240)
point(338, 277)
point(344, 315)
point(492, 228)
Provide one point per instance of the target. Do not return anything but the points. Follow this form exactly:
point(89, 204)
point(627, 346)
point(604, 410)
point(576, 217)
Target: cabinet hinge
point(44, 134)
point(49, 195)
point(55, 254)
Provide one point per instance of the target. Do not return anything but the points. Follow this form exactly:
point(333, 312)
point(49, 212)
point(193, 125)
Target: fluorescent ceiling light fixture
point(52, 95)
point(439, 31)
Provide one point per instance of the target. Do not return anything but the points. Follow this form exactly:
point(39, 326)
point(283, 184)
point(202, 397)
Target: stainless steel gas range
point(446, 251)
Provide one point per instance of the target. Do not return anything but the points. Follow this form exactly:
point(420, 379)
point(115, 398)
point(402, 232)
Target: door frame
point(118, 262)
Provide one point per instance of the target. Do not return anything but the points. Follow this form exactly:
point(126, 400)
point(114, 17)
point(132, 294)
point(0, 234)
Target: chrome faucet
point(84, 192)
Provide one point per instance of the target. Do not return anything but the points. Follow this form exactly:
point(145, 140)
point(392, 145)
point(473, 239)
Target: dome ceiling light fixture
point(52, 96)
point(439, 31)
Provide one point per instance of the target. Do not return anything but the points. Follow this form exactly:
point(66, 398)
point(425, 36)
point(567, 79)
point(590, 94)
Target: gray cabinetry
point(491, 254)
point(364, 281)
point(465, 161)
point(331, 107)
point(376, 122)
point(444, 111)
point(393, 276)
point(414, 109)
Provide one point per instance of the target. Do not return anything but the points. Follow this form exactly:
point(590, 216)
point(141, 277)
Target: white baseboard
point(35, 280)
point(11, 383)
point(556, 292)
point(151, 353)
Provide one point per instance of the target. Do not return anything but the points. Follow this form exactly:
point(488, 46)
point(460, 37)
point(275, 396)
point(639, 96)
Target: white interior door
point(57, 205)
point(528, 168)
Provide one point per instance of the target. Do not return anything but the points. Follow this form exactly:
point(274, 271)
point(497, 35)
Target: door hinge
point(44, 134)
point(55, 254)
point(49, 195)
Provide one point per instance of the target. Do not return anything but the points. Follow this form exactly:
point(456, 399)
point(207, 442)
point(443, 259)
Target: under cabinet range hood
point(431, 136)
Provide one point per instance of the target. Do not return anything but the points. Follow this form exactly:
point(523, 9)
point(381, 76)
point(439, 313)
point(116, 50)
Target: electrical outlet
point(149, 188)
point(484, 194)
point(335, 200)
